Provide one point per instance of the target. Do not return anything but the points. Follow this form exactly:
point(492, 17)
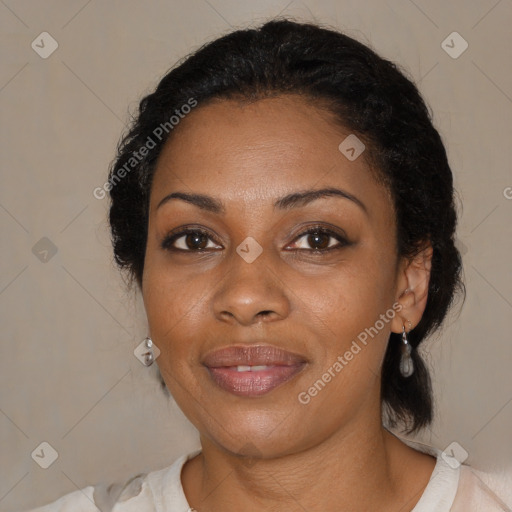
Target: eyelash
point(172, 237)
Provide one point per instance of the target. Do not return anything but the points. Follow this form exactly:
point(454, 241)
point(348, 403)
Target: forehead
point(253, 153)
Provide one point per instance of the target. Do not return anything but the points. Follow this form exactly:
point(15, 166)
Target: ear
point(412, 289)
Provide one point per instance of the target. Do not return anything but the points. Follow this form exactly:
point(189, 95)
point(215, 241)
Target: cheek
point(173, 310)
point(165, 304)
point(167, 291)
point(172, 306)
point(355, 295)
point(348, 313)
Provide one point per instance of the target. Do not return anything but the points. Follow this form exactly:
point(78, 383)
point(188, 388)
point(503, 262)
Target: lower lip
point(253, 383)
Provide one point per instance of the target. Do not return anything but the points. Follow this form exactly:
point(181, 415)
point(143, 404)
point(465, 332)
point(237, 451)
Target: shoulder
point(78, 501)
point(144, 492)
point(474, 495)
point(455, 487)
point(104, 498)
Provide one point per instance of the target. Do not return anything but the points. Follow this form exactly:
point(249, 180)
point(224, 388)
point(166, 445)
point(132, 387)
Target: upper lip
point(251, 355)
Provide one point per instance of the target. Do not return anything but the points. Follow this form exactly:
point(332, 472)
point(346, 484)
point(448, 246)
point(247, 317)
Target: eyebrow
point(288, 202)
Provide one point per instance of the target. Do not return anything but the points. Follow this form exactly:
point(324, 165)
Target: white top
point(452, 488)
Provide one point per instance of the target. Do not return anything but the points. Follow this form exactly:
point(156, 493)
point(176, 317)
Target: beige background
point(68, 375)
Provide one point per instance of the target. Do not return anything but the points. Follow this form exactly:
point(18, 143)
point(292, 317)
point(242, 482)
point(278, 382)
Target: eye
point(321, 239)
point(197, 240)
point(188, 240)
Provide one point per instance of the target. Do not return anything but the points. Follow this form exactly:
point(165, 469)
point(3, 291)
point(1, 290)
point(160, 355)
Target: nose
point(251, 292)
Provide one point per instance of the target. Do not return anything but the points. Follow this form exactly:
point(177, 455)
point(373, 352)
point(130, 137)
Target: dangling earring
point(406, 362)
point(148, 356)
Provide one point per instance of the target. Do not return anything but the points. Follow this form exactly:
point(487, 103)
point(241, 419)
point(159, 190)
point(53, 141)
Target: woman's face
point(259, 281)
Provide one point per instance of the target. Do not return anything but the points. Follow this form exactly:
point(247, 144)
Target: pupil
point(313, 240)
point(193, 241)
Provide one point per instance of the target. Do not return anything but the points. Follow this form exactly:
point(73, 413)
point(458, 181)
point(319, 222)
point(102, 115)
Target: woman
point(285, 206)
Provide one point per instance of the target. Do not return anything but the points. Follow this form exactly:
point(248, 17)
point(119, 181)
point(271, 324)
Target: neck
point(359, 468)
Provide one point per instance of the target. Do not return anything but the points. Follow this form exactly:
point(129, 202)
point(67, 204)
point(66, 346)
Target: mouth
point(252, 370)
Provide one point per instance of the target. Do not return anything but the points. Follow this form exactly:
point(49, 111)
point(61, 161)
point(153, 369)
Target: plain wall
point(68, 375)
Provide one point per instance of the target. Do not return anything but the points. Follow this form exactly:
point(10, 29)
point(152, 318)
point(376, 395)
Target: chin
point(258, 433)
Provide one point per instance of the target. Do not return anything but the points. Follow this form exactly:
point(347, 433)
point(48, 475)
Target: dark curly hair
point(368, 95)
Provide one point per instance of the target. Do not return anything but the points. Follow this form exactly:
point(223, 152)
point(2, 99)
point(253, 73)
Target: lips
point(252, 355)
point(252, 370)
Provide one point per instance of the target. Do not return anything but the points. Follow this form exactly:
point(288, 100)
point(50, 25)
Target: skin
point(273, 452)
